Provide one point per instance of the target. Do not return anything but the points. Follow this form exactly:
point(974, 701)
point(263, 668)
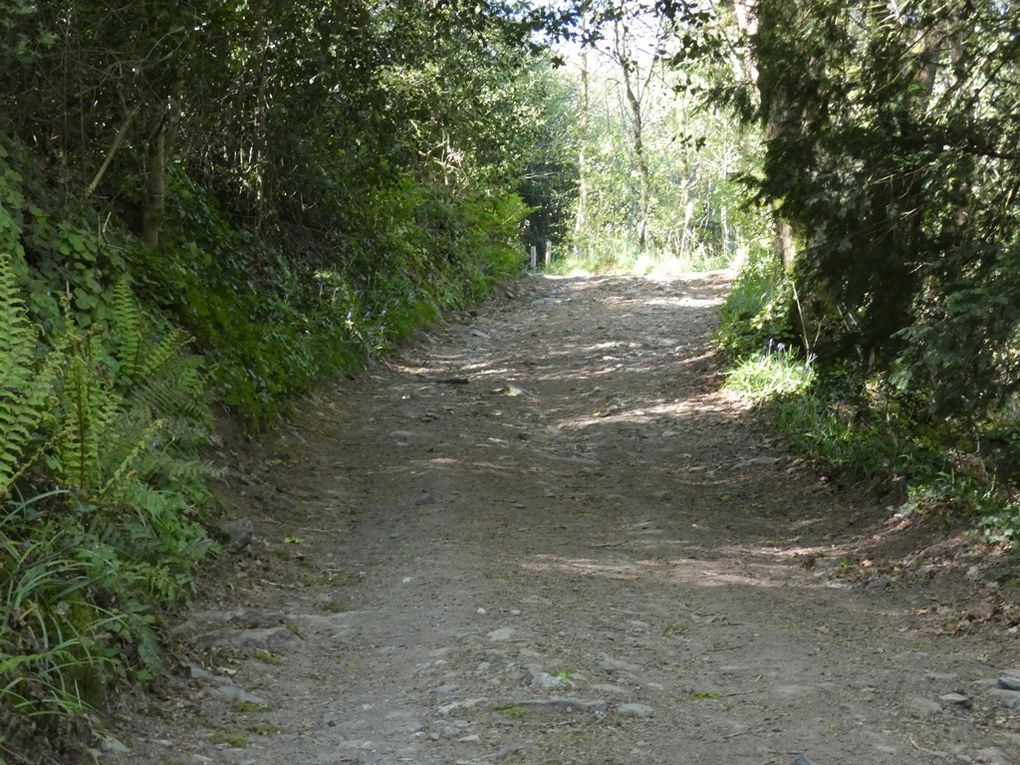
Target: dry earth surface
point(543, 534)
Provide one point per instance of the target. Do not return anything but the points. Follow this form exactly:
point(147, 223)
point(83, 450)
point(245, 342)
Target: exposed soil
point(545, 535)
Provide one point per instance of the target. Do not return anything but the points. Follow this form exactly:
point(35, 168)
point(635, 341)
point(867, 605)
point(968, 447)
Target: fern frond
point(159, 354)
point(195, 471)
point(78, 446)
point(177, 392)
point(119, 473)
point(24, 388)
point(91, 411)
point(139, 359)
point(127, 325)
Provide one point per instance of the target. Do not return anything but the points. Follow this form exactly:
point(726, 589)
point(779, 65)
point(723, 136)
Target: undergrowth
point(855, 424)
point(101, 498)
point(271, 325)
point(620, 255)
point(111, 362)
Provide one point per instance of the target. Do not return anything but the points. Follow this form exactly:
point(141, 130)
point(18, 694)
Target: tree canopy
point(210, 204)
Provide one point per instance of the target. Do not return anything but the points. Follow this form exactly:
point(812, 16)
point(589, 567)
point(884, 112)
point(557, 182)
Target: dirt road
point(545, 536)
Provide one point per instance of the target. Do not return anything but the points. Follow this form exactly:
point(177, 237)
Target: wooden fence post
point(548, 253)
point(534, 258)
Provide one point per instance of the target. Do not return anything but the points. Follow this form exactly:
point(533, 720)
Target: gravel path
point(545, 536)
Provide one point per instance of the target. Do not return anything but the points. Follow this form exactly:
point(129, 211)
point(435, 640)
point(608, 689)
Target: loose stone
point(955, 699)
point(925, 706)
point(1010, 682)
point(635, 710)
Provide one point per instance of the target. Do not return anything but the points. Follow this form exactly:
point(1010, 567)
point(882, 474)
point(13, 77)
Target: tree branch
point(114, 146)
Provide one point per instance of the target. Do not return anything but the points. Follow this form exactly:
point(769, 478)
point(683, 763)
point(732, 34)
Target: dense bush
point(855, 424)
point(890, 160)
point(205, 204)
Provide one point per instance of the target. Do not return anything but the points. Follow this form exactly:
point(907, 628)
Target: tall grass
point(49, 630)
point(618, 254)
point(771, 373)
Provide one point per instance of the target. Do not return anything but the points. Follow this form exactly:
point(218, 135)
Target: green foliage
point(758, 312)
point(1001, 522)
point(892, 149)
point(853, 427)
point(296, 197)
point(890, 146)
point(658, 186)
point(770, 374)
point(139, 361)
point(837, 437)
point(49, 629)
point(96, 400)
point(410, 250)
point(361, 177)
point(618, 254)
point(861, 428)
point(11, 200)
point(25, 386)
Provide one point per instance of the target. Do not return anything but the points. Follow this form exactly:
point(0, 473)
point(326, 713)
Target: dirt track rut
point(545, 536)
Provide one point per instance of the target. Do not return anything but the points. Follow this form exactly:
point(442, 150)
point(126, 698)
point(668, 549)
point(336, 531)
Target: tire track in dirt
point(585, 554)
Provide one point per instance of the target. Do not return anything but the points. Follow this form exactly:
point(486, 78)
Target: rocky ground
point(544, 535)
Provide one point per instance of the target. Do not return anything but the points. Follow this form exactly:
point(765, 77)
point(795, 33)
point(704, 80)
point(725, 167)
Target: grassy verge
point(111, 362)
point(621, 256)
point(861, 429)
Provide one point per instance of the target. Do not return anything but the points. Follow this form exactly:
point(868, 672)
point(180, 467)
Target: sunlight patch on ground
point(709, 403)
point(685, 302)
point(410, 370)
point(450, 463)
point(611, 569)
point(482, 369)
point(787, 554)
point(686, 571)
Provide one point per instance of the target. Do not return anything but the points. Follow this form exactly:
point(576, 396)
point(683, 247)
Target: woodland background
point(208, 207)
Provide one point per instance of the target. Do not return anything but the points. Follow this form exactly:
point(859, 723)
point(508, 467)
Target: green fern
point(117, 471)
point(127, 325)
point(106, 437)
point(159, 354)
point(177, 392)
point(25, 386)
point(139, 359)
point(78, 448)
point(91, 411)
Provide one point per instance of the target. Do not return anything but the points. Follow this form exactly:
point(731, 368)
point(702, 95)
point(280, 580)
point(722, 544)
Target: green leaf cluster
point(890, 149)
point(296, 187)
point(101, 489)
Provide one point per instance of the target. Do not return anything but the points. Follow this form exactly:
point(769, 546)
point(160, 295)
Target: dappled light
point(630, 381)
point(699, 406)
point(664, 573)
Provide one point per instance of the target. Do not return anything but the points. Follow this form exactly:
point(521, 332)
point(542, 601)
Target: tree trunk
point(155, 167)
point(155, 184)
point(757, 20)
point(685, 236)
point(582, 159)
point(637, 132)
